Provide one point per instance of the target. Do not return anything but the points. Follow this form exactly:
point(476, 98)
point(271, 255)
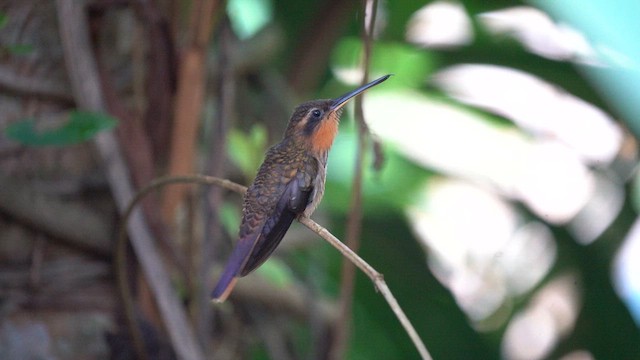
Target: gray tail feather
point(225, 284)
point(234, 267)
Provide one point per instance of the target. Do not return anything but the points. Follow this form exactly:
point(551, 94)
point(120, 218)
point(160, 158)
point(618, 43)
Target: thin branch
point(375, 276)
point(161, 62)
point(121, 244)
point(140, 157)
point(377, 279)
point(189, 99)
point(354, 222)
point(215, 166)
point(85, 84)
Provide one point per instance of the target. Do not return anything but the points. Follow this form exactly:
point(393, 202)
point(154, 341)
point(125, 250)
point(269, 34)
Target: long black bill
point(342, 100)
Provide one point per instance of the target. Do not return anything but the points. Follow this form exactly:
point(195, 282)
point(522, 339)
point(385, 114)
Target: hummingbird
point(290, 183)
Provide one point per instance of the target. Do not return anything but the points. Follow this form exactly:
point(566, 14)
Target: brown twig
point(217, 150)
point(121, 246)
point(137, 148)
point(354, 222)
point(375, 276)
point(161, 78)
point(377, 279)
point(85, 84)
point(140, 156)
point(189, 100)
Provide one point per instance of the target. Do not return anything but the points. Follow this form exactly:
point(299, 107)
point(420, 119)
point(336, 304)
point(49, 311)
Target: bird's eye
point(316, 113)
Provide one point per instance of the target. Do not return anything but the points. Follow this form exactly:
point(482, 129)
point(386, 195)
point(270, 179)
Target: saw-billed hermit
point(289, 183)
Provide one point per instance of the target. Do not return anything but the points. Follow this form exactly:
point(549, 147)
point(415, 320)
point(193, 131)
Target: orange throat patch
point(323, 137)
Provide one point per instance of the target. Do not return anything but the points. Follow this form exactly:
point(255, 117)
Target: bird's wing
point(236, 262)
point(261, 233)
point(292, 203)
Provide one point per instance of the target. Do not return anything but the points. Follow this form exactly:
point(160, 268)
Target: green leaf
point(247, 149)
point(392, 187)
point(635, 192)
point(19, 49)
point(230, 218)
point(81, 126)
point(410, 66)
point(276, 272)
point(3, 19)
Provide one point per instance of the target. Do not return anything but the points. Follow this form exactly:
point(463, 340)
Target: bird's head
point(316, 122)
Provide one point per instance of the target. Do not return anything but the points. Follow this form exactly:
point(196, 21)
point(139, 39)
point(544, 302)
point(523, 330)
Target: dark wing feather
point(291, 204)
point(264, 225)
point(236, 262)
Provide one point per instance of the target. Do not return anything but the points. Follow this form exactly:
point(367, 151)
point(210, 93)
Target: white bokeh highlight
point(536, 106)
point(543, 173)
point(550, 315)
point(440, 24)
point(479, 247)
point(539, 34)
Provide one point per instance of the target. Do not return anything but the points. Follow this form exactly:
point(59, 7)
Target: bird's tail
point(234, 267)
point(224, 286)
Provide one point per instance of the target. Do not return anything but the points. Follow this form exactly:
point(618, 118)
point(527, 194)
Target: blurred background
point(498, 178)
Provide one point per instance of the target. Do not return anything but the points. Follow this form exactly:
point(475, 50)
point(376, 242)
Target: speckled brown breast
point(289, 182)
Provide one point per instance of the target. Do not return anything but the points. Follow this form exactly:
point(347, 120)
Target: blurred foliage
point(81, 126)
point(230, 218)
point(246, 149)
point(248, 17)
point(604, 326)
point(276, 272)
point(385, 189)
point(410, 67)
point(390, 247)
point(619, 84)
point(12, 49)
